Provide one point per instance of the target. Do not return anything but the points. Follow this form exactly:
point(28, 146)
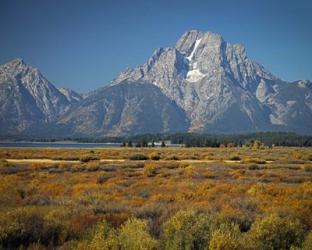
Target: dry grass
point(156, 189)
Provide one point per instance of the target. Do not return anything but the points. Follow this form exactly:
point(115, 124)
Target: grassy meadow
point(156, 198)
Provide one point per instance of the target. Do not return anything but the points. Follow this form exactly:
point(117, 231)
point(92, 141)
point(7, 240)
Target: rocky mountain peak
point(13, 68)
point(27, 94)
point(15, 63)
point(207, 77)
point(202, 84)
point(194, 39)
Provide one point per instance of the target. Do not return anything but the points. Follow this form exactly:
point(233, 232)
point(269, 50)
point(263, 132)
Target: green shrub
point(138, 157)
point(104, 238)
point(87, 158)
point(235, 158)
point(260, 161)
point(187, 230)
point(22, 226)
point(257, 161)
point(134, 235)
point(307, 244)
point(226, 237)
point(154, 157)
point(172, 158)
point(274, 232)
point(253, 167)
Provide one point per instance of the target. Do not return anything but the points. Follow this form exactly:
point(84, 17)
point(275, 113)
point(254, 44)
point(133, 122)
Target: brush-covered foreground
point(157, 198)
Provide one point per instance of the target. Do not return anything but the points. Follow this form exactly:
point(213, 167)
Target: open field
point(156, 198)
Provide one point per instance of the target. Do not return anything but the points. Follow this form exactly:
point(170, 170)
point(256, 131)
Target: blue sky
point(83, 45)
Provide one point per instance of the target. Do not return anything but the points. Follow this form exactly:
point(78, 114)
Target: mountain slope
point(221, 89)
point(27, 99)
point(71, 96)
point(203, 84)
point(127, 108)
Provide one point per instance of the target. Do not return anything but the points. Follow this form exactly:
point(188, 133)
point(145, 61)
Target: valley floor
point(156, 198)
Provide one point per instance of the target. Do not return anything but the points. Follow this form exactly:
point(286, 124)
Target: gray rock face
point(203, 84)
point(71, 96)
point(222, 90)
point(126, 108)
point(27, 99)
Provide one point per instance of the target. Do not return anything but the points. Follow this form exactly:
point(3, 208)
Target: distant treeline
point(200, 140)
point(267, 138)
point(217, 140)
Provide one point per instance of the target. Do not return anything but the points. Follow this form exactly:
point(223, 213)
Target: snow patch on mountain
point(197, 42)
point(194, 75)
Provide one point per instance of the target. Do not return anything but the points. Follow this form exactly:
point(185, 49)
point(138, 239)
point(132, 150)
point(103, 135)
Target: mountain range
point(203, 84)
